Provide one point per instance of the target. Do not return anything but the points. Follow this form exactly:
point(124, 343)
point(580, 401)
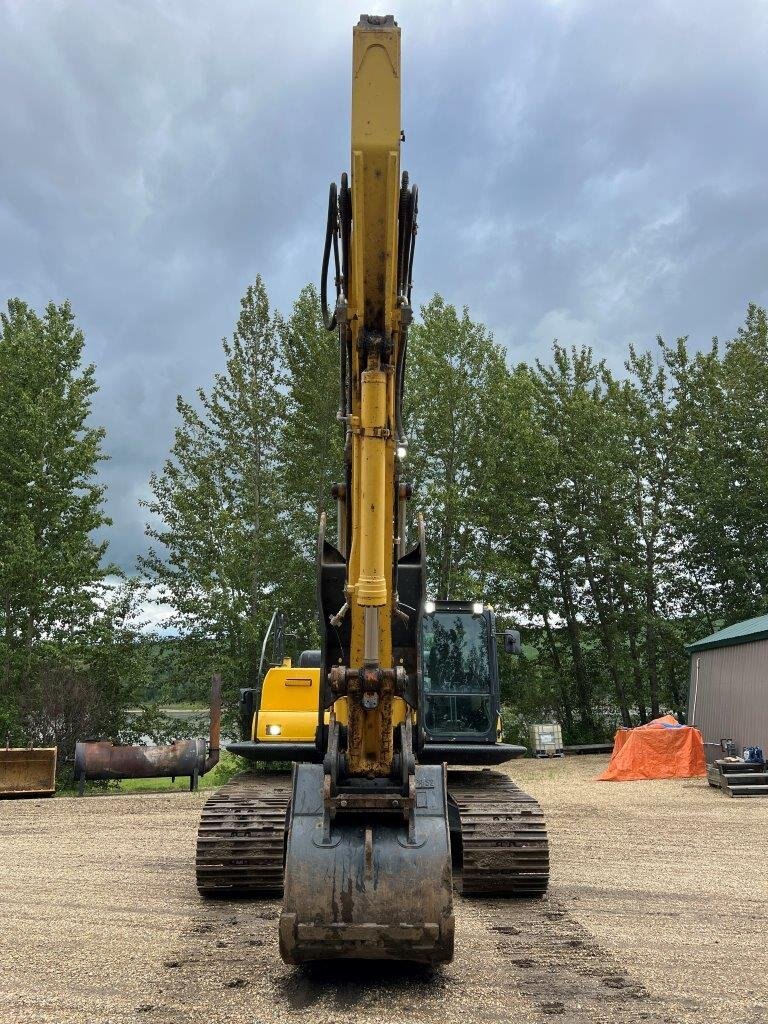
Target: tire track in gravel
point(524, 960)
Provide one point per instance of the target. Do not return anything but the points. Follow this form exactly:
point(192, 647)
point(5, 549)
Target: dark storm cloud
point(591, 171)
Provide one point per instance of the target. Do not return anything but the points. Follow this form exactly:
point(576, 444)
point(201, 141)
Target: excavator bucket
point(367, 887)
point(27, 771)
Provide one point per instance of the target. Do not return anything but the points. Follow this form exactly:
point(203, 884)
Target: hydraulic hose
point(345, 230)
point(403, 235)
point(337, 239)
point(331, 241)
point(406, 245)
point(345, 338)
point(399, 385)
point(414, 209)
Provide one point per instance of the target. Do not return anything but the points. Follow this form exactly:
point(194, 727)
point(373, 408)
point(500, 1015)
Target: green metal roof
point(739, 633)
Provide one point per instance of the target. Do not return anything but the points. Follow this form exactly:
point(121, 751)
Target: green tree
point(311, 451)
point(573, 515)
point(52, 571)
point(83, 687)
point(217, 509)
point(455, 389)
point(656, 441)
point(723, 472)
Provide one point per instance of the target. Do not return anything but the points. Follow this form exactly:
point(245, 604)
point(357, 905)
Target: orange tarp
point(662, 749)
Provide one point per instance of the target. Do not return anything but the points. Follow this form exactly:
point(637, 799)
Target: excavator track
point(240, 841)
point(505, 851)
point(241, 837)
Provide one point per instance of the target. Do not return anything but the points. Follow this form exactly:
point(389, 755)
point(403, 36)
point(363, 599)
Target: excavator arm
point(372, 313)
point(368, 865)
point(402, 681)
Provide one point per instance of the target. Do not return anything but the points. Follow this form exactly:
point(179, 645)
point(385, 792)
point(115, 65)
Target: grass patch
point(229, 765)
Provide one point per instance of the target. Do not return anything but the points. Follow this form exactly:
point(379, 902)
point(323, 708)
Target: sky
point(589, 170)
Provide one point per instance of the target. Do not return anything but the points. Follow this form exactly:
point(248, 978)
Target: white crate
point(546, 740)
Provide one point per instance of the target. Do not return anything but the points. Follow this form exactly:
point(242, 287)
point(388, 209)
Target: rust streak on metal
point(214, 740)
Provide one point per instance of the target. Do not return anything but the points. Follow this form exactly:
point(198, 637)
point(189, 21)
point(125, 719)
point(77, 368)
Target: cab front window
point(457, 673)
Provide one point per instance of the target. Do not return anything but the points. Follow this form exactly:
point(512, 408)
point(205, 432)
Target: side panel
point(289, 699)
point(731, 698)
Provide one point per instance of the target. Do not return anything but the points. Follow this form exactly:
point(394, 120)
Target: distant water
point(197, 720)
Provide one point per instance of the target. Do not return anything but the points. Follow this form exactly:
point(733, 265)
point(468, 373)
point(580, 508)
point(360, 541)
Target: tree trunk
point(637, 674)
point(676, 693)
point(583, 689)
point(651, 652)
point(254, 650)
point(7, 609)
point(446, 552)
point(606, 634)
point(29, 638)
point(632, 637)
point(562, 682)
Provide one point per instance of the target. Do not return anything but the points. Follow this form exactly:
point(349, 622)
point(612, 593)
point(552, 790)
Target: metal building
point(728, 695)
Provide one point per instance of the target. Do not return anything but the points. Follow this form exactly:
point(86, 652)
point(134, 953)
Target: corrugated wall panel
point(731, 699)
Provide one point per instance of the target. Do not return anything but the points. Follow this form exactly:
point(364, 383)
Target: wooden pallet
point(738, 778)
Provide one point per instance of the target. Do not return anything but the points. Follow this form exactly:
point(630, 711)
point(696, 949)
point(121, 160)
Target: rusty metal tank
point(99, 760)
point(103, 759)
point(27, 771)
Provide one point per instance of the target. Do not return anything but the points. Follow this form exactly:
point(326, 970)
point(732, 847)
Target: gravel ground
point(657, 912)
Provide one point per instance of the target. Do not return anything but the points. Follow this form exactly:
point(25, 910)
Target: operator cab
point(460, 696)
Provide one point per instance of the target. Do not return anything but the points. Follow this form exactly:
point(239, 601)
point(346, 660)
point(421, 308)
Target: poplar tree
point(655, 442)
point(455, 386)
point(311, 451)
point(722, 395)
point(51, 567)
point(219, 557)
point(568, 573)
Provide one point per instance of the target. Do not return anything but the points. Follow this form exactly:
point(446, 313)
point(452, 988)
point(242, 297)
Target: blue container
point(753, 755)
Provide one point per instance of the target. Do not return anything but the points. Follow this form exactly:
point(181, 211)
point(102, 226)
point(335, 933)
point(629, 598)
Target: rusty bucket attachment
point(367, 885)
point(27, 771)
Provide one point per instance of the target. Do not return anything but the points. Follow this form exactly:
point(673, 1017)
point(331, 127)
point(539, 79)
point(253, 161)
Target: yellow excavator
point(366, 840)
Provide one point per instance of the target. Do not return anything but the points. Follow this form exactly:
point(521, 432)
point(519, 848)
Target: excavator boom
point(370, 320)
point(368, 863)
